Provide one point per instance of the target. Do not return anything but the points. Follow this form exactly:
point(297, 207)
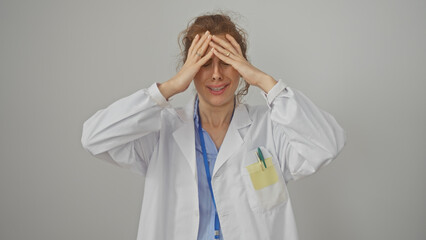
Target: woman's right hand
point(195, 59)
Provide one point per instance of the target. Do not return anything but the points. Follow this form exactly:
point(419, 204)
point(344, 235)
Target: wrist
point(167, 89)
point(266, 83)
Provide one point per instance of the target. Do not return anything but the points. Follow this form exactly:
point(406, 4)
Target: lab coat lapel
point(185, 135)
point(233, 139)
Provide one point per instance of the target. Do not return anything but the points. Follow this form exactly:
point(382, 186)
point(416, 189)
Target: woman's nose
point(217, 72)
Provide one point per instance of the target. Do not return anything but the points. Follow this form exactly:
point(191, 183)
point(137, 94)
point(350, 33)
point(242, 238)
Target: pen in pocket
point(260, 156)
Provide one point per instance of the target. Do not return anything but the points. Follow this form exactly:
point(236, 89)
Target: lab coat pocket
point(267, 183)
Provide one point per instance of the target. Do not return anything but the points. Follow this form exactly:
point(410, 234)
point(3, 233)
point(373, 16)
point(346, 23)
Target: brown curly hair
point(216, 24)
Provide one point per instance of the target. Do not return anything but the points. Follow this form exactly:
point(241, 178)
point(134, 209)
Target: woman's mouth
point(217, 90)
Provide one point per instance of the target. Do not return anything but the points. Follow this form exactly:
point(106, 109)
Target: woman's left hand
point(230, 53)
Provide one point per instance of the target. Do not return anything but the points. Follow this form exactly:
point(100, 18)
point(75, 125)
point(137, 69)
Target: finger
point(234, 43)
point(223, 57)
point(194, 41)
point(224, 44)
point(223, 51)
point(199, 43)
point(205, 58)
point(204, 47)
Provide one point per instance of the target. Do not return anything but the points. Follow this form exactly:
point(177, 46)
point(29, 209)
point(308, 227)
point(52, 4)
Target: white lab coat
point(144, 133)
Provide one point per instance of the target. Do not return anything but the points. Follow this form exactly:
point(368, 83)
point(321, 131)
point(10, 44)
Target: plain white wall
point(60, 61)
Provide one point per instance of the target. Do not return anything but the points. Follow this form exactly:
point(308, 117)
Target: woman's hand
point(230, 52)
point(181, 81)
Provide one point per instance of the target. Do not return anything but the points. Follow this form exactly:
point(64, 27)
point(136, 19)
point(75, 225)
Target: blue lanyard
point(209, 178)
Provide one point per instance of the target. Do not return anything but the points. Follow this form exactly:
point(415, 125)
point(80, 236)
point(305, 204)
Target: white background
point(60, 61)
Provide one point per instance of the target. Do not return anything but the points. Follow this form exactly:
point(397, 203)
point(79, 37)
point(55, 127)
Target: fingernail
point(206, 32)
point(209, 36)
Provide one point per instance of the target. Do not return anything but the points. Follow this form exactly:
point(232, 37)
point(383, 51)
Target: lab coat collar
point(233, 139)
point(185, 135)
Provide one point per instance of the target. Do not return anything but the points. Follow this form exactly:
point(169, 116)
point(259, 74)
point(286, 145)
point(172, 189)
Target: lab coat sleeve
point(306, 138)
point(126, 132)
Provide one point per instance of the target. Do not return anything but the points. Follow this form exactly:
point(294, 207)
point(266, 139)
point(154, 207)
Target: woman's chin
point(220, 101)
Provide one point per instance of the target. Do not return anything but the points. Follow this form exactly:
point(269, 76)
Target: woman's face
point(216, 82)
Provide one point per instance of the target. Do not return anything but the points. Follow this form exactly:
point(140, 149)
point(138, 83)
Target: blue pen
point(259, 153)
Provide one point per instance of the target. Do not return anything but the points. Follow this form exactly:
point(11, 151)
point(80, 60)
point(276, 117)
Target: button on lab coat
point(144, 133)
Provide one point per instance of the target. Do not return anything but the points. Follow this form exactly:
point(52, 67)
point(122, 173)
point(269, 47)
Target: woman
point(216, 168)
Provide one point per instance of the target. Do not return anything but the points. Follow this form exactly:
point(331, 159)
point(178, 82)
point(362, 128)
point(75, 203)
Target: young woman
point(216, 169)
